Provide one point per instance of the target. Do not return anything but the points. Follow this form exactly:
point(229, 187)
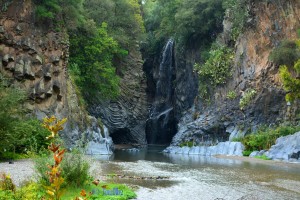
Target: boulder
point(287, 148)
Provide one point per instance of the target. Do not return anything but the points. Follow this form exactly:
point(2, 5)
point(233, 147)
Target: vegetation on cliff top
point(101, 34)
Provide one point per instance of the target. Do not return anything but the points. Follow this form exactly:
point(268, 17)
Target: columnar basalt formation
point(35, 58)
point(126, 116)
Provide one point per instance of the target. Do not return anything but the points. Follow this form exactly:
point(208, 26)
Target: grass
point(263, 157)
point(98, 192)
point(34, 191)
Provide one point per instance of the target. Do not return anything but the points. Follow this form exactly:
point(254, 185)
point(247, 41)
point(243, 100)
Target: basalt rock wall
point(271, 22)
point(126, 116)
point(34, 58)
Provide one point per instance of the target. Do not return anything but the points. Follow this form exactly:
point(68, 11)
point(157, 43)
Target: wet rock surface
point(222, 148)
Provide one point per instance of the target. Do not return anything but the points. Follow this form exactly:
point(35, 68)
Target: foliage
point(189, 22)
point(64, 12)
point(247, 98)
point(187, 144)
point(75, 169)
point(231, 95)
point(264, 138)
point(6, 183)
point(238, 13)
point(29, 191)
point(247, 152)
point(263, 157)
point(92, 63)
point(216, 70)
point(55, 179)
point(18, 134)
point(47, 9)
point(290, 84)
point(123, 18)
point(285, 54)
point(41, 164)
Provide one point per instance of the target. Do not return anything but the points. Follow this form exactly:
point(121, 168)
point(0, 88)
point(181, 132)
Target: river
point(197, 177)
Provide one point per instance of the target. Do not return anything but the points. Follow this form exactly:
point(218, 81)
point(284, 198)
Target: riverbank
point(193, 177)
point(260, 161)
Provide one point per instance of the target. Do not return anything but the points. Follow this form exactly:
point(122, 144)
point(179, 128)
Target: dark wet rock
point(286, 148)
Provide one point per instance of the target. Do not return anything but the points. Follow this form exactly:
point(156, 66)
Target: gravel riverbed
point(217, 178)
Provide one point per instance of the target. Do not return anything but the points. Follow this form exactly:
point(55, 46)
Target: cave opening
point(122, 136)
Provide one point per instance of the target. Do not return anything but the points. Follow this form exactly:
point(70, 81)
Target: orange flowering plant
point(54, 126)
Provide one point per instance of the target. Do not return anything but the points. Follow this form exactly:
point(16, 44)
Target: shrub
point(246, 98)
point(216, 70)
point(6, 183)
point(285, 54)
point(75, 169)
point(264, 138)
point(291, 84)
point(246, 153)
point(18, 134)
point(187, 144)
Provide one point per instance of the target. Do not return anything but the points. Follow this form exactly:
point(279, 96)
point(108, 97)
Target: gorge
point(160, 98)
point(176, 99)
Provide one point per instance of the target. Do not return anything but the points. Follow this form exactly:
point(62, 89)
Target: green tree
point(67, 13)
point(192, 23)
point(123, 18)
point(91, 58)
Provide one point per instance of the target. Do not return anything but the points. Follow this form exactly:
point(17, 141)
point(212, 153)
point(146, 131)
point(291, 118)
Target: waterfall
point(161, 125)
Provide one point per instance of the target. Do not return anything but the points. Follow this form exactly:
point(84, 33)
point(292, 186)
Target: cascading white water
point(162, 111)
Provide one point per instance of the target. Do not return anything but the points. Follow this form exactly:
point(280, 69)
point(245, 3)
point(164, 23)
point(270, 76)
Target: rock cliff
point(35, 58)
point(126, 116)
point(270, 23)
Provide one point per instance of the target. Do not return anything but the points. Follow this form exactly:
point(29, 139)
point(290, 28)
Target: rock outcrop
point(35, 59)
point(286, 148)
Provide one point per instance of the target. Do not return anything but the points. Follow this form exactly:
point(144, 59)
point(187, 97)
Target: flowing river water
point(197, 177)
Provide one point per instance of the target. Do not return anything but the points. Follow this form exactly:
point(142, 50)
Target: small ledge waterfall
point(161, 125)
